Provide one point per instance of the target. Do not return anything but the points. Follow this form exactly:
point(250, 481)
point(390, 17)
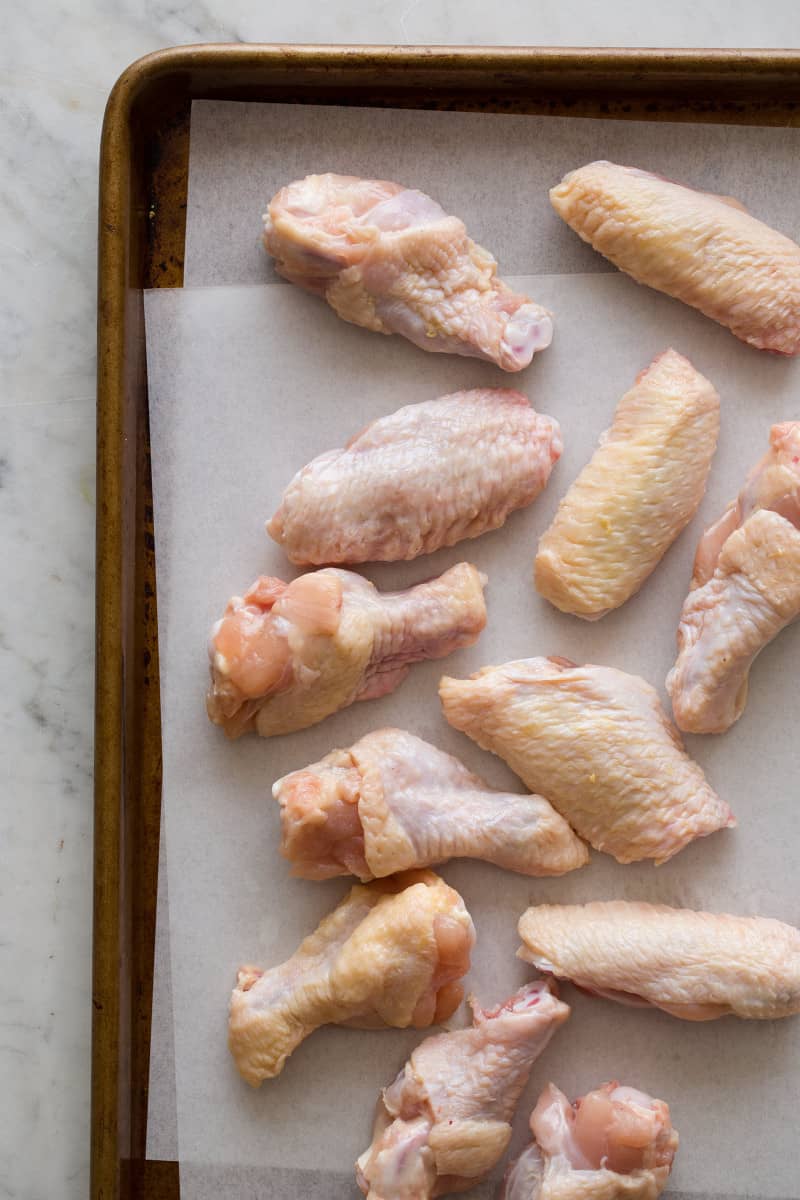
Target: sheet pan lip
point(716, 63)
point(504, 68)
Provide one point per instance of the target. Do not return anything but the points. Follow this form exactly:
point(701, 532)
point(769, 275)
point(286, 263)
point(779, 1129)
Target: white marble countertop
point(57, 64)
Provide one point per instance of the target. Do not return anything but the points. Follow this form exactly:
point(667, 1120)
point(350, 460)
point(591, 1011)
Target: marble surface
point(58, 60)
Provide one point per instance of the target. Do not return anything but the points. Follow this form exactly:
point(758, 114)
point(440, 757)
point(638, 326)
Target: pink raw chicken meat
point(703, 249)
point(745, 590)
point(693, 965)
point(425, 477)
point(392, 802)
point(285, 656)
point(445, 1121)
point(614, 1143)
point(390, 259)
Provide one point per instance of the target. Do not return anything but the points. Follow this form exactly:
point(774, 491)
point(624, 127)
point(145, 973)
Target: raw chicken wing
point(640, 489)
point(745, 590)
point(614, 1143)
point(390, 259)
point(703, 249)
point(392, 802)
point(694, 965)
point(753, 594)
point(424, 477)
point(285, 656)
point(445, 1121)
point(389, 956)
point(597, 744)
point(773, 483)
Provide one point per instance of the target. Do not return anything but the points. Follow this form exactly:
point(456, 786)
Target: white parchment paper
point(246, 385)
point(492, 170)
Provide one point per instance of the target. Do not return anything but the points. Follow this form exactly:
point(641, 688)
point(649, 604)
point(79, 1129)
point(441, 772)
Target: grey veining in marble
point(58, 60)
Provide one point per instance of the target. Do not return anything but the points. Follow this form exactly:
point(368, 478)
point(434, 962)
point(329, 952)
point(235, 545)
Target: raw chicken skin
point(445, 1121)
point(389, 956)
point(702, 249)
point(285, 656)
point(773, 483)
point(753, 594)
point(693, 965)
point(425, 477)
point(390, 259)
point(614, 1143)
point(392, 802)
point(639, 491)
point(597, 744)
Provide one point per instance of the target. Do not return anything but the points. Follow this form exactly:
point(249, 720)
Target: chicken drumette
point(614, 1143)
point(285, 656)
point(389, 956)
point(391, 802)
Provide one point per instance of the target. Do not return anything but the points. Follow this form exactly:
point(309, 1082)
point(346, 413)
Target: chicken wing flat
point(640, 489)
point(693, 965)
point(753, 594)
point(446, 1119)
point(389, 956)
point(425, 477)
point(392, 802)
point(390, 259)
point(745, 589)
point(597, 744)
point(705, 250)
point(773, 483)
point(285, 656)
